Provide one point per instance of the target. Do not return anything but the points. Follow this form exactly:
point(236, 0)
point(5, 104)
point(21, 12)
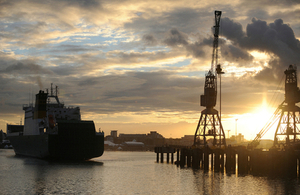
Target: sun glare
point(251, 123)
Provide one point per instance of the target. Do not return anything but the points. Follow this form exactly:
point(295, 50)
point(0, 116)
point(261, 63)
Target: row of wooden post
point(235, 160)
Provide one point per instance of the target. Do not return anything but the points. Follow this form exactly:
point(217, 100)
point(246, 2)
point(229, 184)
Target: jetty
point(233, 160)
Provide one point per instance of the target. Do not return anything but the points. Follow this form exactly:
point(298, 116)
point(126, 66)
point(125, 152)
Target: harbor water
point(126, 173)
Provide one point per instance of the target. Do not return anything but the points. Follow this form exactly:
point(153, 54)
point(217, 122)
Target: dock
point(233, 160)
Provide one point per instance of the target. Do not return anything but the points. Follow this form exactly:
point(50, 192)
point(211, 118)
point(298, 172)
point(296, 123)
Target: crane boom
point(266, 128)
point(214, 61)
point(209, 98)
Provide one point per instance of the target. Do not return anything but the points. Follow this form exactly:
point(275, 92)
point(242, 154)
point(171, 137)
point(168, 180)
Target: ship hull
point(31, 145)
point(74, 141)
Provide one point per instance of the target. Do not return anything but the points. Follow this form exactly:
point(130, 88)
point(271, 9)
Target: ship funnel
point(40, 105)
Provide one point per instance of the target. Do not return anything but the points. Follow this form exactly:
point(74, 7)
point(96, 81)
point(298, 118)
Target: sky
point(139, 66)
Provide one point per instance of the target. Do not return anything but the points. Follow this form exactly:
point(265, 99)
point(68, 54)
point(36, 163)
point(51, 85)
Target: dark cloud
point(232, 30)
point(196, 49)
point(24, 67)
point(186, 20)
point(142, 92)
point(176, 38)
point(150, 40)
point(269, 3)
point(75, 48)
point(277, 39)
point(233, 53)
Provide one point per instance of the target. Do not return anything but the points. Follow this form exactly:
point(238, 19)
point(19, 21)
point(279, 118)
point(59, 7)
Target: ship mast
point(54, 93)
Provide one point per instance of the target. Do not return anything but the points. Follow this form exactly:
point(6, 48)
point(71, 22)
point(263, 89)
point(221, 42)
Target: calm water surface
point(126, 173)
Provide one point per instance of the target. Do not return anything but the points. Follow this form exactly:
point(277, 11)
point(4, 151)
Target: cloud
point(176, 38)
point(276, 39)
point(232, 30)
point(233, 53)
point(141, 92)
point(143, 58)
point(25, 68)
point(150, 40)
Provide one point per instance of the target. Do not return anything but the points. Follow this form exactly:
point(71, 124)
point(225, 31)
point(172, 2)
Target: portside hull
point(55, 147)
point(75, 140)
point(33, 145)
point(61, 147)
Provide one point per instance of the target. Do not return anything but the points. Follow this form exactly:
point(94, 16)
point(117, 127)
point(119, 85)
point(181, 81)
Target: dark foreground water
point(126, 173)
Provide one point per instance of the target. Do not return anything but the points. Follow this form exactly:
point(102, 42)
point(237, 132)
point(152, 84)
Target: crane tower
point(287, 114)
point(209, 125)
point(287, 131)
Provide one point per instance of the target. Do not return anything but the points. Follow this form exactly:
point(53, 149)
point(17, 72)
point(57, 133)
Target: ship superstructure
point(43, 117)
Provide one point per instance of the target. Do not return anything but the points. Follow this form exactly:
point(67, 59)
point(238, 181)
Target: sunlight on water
point(126, 173)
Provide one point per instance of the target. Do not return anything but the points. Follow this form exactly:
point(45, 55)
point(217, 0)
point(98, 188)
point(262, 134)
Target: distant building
point(133, 141)
point(187, 140)
point(113, 136)
point(114, 133)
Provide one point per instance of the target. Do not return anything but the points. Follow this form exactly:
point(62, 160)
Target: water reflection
point(210, 182)
point(127, 173)
point(58, 177)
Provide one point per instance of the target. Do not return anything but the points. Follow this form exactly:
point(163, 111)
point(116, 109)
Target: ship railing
point(100, 133)
point(27, 105)
point(72, 107)
point(14, 134)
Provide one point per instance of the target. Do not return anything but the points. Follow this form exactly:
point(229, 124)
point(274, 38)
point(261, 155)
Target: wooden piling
point(233, 168)
point(189, 158)
point(161, 157)
point(168, 160)
point(279, 163)
point(196, 157)
point(182, 157)
point(178, 159)
point(291, 164)
point(242, 161)
point(157, 154)
point(211, 161)
point(228, 164)
point(222, 161)
point(217, 160)
point(206, 159)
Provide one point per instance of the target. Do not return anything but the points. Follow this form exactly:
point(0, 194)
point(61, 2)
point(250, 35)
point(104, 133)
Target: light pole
point(228, 133)
point(236, 128)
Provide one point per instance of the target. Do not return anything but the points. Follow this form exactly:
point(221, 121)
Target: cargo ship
point(53, 131)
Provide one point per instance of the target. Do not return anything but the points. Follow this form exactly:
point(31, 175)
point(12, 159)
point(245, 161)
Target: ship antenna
point(56, 90)
point(51, 89)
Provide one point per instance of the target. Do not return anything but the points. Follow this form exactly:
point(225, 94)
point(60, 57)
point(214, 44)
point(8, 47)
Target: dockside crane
point(287, 114)
point(209, 125)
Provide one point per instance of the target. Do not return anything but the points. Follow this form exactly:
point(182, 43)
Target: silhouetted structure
point(287, 114)
point(209, 125)
point(133, 141)
point(287, 131)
